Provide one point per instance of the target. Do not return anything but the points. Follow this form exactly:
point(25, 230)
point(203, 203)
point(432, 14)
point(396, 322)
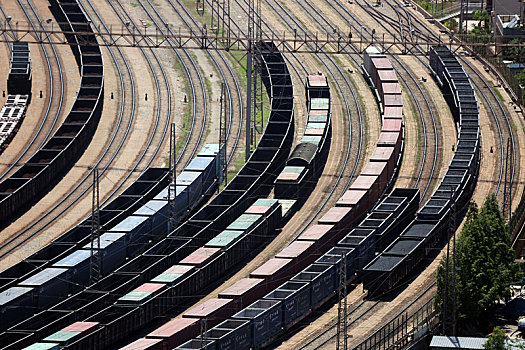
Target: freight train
point(118, 319)
point(118, 242)
point(263, 320)
point(19, 92)
point(307, 160)
point(451, 196)
point(258, 321)
point(31, 181)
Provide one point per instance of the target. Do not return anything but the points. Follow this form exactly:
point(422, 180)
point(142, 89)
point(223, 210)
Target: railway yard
point(131, 215)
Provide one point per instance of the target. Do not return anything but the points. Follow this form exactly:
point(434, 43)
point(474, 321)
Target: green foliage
point(496, 341)
point(452, 24)
point(484, 263)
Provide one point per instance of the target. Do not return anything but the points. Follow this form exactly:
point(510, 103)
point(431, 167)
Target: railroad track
point(105, 161)
point(317, 342)
point(234, 106)
point(426, 171)
point(498, 113)
point(55, 97)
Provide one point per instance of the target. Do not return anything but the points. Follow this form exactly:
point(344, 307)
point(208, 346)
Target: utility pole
point(342, 309)
point(204, 329)
point(95, 260)
point(172, 180)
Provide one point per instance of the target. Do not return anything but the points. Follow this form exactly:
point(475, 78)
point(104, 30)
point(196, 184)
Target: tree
point(484, 263)
point(496, 341)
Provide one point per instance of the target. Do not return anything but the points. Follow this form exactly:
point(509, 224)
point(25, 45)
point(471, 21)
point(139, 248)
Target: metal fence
point(402, 330)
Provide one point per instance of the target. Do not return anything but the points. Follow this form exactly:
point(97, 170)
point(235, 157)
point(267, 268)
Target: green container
point(315, 125)
point(317, 119)
point(267, 202)
point(293, 169)
point(320, 103)
point(316, 140)
point(43, 346)
point(249, 217)
point(168, 278)
point(62, 336)
point(225, 239)
point(134, 297)
point(241, 225)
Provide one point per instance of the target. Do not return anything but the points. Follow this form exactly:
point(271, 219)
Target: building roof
point(457, 342)
point(507, 7)
point(447, 342)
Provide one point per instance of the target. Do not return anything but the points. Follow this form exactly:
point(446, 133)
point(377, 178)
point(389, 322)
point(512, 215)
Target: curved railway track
point(498, 112)
point(329, 334)
point(53, 107)
point(111, 151)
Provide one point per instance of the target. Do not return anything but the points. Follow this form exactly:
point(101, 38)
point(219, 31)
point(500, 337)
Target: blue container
point(113, 249)
point(137, 230)
point(78, 265)
point(335, 260)
point(296, 300)
point(206, 165)
point(321, 278)
point(157, 211)
point(16, 303)
point(265, 317)
point(239, 337)
point(193, 180)
point(50, 285)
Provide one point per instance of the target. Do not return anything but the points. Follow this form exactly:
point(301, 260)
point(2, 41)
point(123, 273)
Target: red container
point(301, 252)
point(377, 64)
point(357, 199)
point(244, 292)
point(378, 169)
point(393, 125)
point(387, 76)
point(317, 81)
point(393, 112)
point(84, 327)
point(214, 310)
point(384, 154)
point(318, 112)
point(289, 176)
point(176, 332)
point(390, 139)
point(369, 184)
point(389, 89)
point(394, 100)
point(150, 287)
point(316, 233)
point(341, 217)
point(321, 235)
point(201, 256)
point(314, 132)
point(144, 344)
point(259, 209)
point(179, 269)
point(273, 272)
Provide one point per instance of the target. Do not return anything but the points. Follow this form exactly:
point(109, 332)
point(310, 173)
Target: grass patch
point(500, 96)
point(134, 4)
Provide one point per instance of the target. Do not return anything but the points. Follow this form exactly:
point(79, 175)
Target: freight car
point(251, 182)
point(307, 160)
point(118, 241)
point(452, 194)
point(20, 73)
point(70, 140)
point(283, 307)
point(11, 116)
point(254, 310)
